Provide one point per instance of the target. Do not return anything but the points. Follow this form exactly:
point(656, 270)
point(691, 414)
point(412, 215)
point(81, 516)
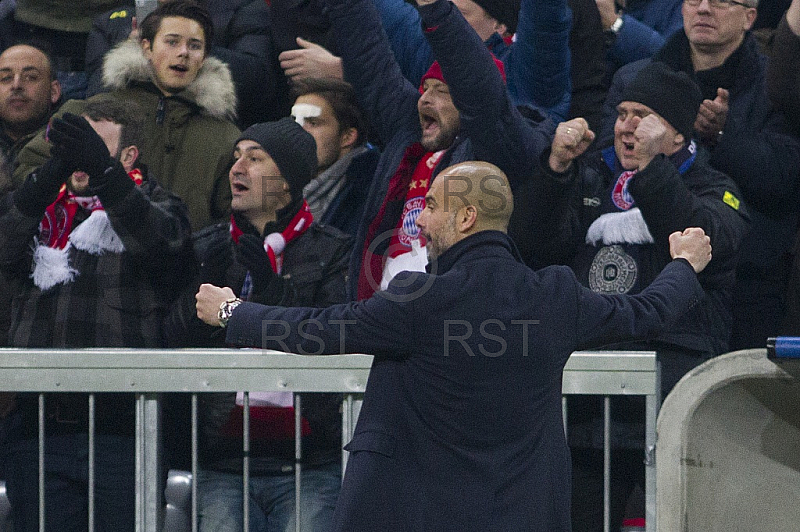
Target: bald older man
point(29, 91)
point(461, 427)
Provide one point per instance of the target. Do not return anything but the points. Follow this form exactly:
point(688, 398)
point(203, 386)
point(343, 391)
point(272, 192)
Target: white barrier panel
point(728, 455)
point(149, 372)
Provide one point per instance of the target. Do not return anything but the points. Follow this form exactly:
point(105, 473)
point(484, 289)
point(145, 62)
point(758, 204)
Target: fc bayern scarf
point(271, 412)
point(58, 232)
point(372, 258)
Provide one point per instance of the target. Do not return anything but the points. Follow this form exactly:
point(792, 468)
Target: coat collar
point(213, 90)
point(482, 243)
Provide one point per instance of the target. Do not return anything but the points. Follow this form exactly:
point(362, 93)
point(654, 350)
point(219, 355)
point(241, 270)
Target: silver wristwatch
point(226, 310)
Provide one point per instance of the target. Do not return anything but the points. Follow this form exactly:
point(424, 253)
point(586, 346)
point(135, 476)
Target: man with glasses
point(748, 139)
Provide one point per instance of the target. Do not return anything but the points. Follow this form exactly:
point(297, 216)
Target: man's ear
point(128, 157)
point(466, 218)
point(55, 91)
point(348, 138)
point(751, 15)
point(147, 48)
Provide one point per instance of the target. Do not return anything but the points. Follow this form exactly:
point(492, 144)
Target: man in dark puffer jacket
point(608, 215)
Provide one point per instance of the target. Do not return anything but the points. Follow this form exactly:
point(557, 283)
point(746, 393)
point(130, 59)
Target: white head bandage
point(301, 111)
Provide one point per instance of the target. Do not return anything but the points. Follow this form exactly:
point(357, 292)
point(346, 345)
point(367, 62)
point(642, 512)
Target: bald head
point(482, 186)
point(464, 199)
point(28, 90)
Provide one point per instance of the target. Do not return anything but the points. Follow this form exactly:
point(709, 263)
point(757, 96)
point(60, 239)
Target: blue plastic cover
point(783, 347)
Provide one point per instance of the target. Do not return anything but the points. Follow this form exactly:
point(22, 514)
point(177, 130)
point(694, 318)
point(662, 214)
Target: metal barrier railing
point(150, 372)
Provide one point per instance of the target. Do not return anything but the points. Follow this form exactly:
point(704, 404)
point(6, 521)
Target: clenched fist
point(570, 141)
point(693, 245)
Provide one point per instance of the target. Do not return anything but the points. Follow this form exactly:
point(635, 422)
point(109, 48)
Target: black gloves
point(250, 253)
point(75, 141)
point(41, 187)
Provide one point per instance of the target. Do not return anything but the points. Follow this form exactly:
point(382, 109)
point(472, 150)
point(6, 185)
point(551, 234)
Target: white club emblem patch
point(411, 212)
point(612, 271)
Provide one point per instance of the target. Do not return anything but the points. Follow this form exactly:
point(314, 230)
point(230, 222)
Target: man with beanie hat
point(608, 215)
point(272, 252)
point(749, 140)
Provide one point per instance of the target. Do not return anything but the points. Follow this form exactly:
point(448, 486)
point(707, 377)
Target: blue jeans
point(66, 483)
point(220, 501)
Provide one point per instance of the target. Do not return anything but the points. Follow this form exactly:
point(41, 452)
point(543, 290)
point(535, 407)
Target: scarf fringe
point(51, 267)
point(96, 235)
point(627, 227)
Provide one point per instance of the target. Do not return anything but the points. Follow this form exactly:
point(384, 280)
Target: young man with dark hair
point(96, 251)
point(241, 39)
point(188, 9)
point(188, 101)
point(328, 110)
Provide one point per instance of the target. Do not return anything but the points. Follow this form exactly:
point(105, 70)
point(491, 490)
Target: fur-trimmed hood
point(212, 90)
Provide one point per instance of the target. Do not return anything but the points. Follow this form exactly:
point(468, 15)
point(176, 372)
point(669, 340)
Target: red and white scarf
point(57, 234)
point(271, 411)
point(409, 184)
point(275, 243)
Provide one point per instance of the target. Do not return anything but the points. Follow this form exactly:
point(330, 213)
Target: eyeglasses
point(719, 4)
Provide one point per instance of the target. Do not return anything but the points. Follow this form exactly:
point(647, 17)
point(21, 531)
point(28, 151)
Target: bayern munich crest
point(612, 271)
point(619, 194)
point(52, 226)
point(411, 211)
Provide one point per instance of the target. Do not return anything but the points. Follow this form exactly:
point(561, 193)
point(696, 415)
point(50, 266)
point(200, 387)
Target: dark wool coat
point(461, 427)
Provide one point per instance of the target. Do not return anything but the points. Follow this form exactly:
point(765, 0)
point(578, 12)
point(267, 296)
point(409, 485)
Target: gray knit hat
point(291, 147)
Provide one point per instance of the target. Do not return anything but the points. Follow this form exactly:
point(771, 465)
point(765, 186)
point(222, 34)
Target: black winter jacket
point(313, 275)
point(566, 205)
point(755, 149)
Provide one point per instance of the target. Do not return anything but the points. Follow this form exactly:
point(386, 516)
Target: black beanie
point(503, 11)
point(673, 95)
point(291, 147)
